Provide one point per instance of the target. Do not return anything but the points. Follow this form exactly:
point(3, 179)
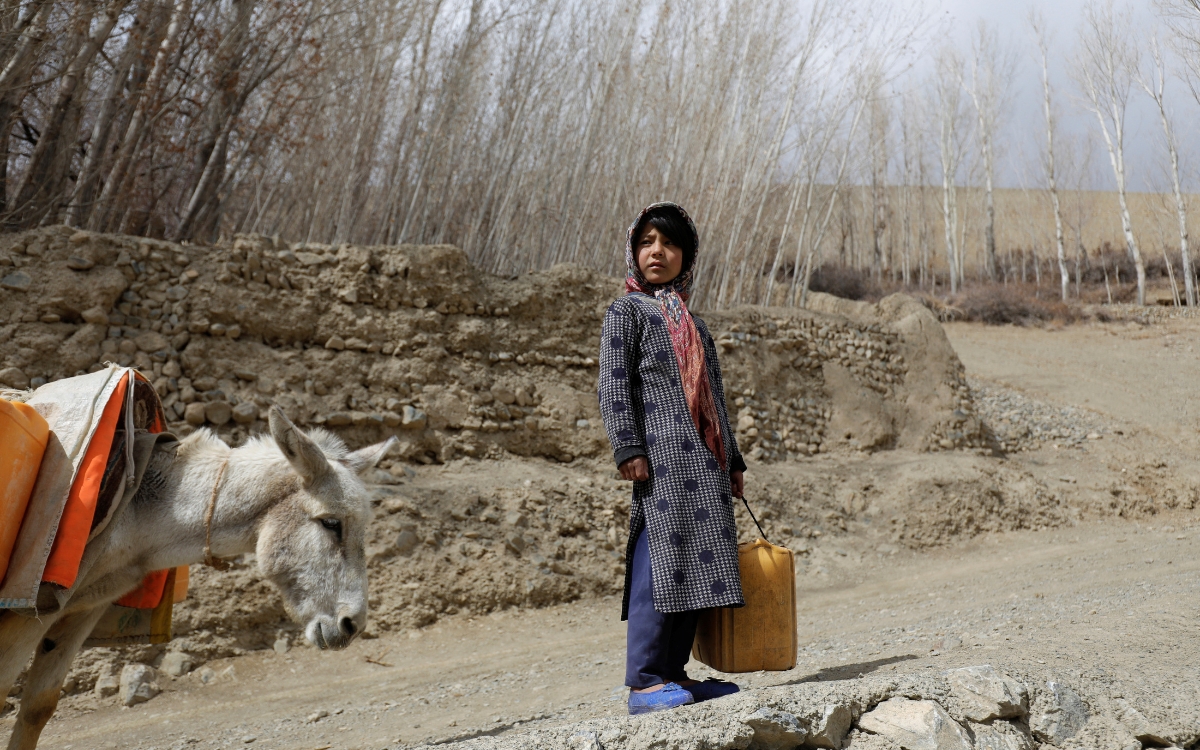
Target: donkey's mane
point(205, 441)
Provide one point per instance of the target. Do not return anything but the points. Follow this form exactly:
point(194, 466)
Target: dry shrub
point(1005, 305)
point(845, 282)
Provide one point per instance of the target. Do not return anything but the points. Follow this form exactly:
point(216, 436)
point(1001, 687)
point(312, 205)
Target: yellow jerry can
point(23, 436)
point(762, 635)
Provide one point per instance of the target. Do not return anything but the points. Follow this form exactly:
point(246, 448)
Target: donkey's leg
point(50, 665)
point(19, 635)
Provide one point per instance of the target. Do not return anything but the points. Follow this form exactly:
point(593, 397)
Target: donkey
point(297, 502)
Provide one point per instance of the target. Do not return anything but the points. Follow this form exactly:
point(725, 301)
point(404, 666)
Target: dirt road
point(1107, 601)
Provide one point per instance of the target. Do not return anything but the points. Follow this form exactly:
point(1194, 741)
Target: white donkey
point(298, 503)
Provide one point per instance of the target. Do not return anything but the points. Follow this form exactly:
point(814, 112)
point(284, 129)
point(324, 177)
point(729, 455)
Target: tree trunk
point(46, 174)
point(139, 123)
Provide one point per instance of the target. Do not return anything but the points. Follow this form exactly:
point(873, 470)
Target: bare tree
point(949, 106)
point(1154, 84)
point(1041, 36)
point(1105, 70)
point(992, 72)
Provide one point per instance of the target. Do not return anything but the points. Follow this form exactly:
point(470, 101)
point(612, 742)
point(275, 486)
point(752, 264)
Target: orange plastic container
point(762, 635)
point(23, 436)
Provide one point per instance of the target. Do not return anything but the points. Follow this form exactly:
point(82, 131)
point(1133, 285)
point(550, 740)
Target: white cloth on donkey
point(73, 408)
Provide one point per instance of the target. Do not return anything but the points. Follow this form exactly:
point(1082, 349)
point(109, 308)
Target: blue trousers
point(657, 645)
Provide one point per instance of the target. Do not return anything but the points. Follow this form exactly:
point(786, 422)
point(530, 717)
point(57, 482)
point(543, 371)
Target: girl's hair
point(668, 221)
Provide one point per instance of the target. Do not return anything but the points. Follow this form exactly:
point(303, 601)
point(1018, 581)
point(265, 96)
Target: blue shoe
point(709, 689)
point(670, 696)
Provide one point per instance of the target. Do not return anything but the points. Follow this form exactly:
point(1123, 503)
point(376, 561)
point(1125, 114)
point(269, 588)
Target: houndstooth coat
point(686, 505)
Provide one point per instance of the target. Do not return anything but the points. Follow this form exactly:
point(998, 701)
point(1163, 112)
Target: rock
point(177, 663)
point(281, 646)
point(392, 419)
point(516, 518)
point(316, 716)
point(172, 369)
point(309, 259)
point(176, 293)
point(95, 315)
point(503, 395)
point(18, 282)
point(194, 414)
point(14, 377)
point(1057, 714)
point(151, 342)
point(242, 373)
point(1001, 735)
point(337, 343)
point(233, 332)
point(985, 694)
point(339, 419)
point(413, 418)
point(406, 541)
point(139, 683)
point(218, 412)
point(776, 730)
point(515, 542)
point(1138, 725)
point(107, 685)
point(245, 412)
point(206, 675)
point(745, 422)
point(830, 730)
point(583, 740)
point(357, 345)
point(916, 725)
point(76, 263)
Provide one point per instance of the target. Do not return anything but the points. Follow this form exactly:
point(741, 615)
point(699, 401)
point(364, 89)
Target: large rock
point(831, 727)
point(985, 694)
point(139, 683)
point(14, 377)
point(1138, 725)
point(17, 282)
point(151, 342)
point(177, 663)
point(775, 729)
point(218, 412)
point(107, 684)
point(193, 414)
point(1057, 714)
point(245, 412)
point(916, 725)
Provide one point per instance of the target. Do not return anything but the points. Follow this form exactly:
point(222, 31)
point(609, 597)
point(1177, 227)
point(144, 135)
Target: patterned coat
point(686, 505)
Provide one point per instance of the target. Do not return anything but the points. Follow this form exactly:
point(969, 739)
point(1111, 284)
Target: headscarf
point(689, 350)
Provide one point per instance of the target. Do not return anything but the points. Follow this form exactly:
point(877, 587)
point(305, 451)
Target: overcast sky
point(1144, 144)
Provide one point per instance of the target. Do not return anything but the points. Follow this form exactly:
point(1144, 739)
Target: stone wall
point(414, 341)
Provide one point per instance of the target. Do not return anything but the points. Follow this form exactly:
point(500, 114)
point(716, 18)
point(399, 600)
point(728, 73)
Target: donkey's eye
point(333, 525)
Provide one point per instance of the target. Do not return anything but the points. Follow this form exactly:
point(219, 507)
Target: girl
point(663, 405)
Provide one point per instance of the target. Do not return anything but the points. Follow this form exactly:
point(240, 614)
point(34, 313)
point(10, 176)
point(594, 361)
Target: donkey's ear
point(366, 458)
point(301, 452)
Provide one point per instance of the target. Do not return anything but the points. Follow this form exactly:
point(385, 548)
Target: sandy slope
point(1108, 602)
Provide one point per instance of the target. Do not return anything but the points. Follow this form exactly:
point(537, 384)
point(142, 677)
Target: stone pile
point(413, 341)
point(1019, 423)
point(970, 708)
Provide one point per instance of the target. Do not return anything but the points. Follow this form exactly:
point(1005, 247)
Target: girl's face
point(659, 259)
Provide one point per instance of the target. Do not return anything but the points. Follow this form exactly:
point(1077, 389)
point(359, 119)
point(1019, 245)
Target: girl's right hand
point(636, 469)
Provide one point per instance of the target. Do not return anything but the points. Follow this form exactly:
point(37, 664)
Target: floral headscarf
point(689, 350)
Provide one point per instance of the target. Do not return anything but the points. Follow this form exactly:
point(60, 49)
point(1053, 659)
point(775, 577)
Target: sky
point(1144, 146)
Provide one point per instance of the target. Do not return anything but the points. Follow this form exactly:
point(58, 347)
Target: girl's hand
point(737, 482)
point(636, 469)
